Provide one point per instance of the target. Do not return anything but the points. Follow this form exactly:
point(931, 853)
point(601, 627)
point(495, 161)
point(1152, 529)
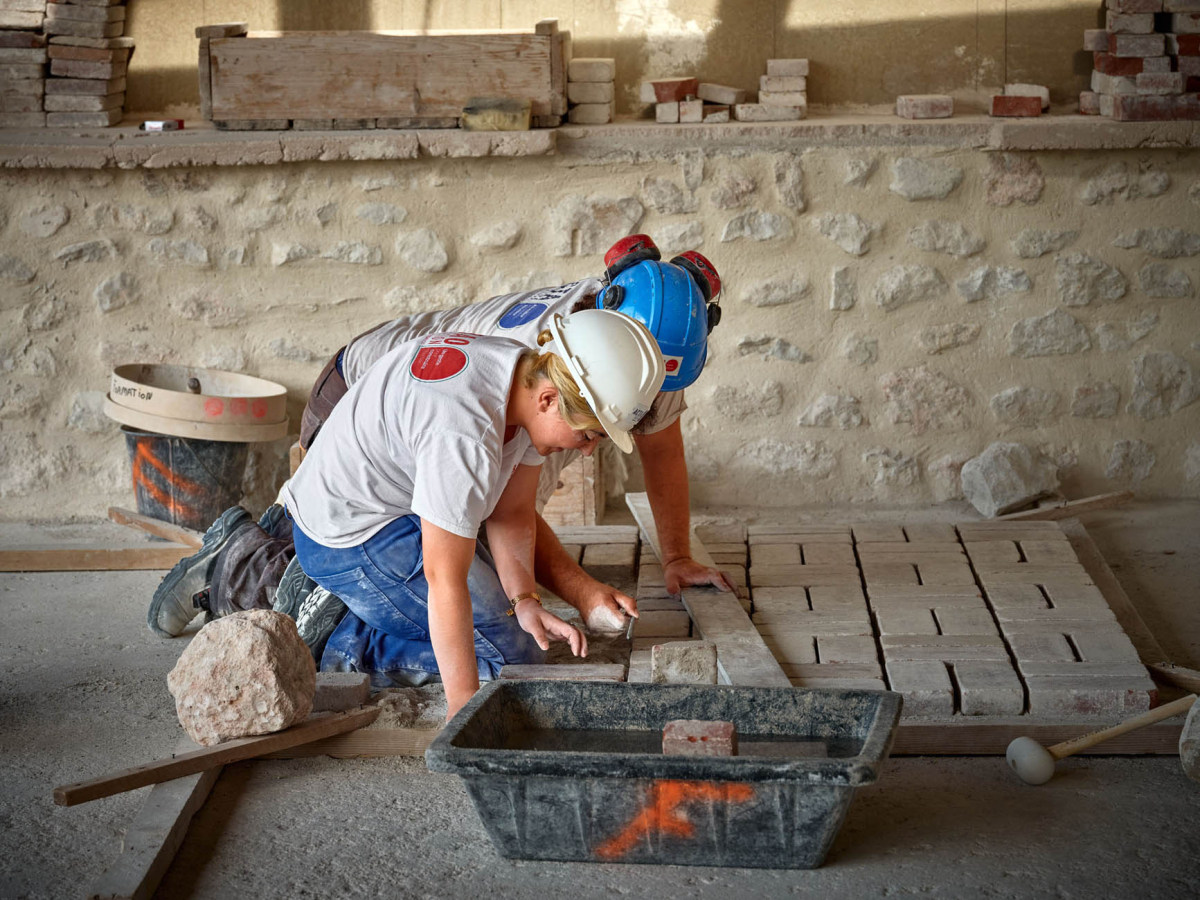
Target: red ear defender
point(702, 271)
point(629, 251)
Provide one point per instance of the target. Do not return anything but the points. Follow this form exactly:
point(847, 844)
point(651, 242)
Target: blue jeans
point(386, 631)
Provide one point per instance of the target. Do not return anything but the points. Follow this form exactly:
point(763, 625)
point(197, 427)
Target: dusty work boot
point(172, 608)
point(294, 588)
point(271, 517)
point(318, 616)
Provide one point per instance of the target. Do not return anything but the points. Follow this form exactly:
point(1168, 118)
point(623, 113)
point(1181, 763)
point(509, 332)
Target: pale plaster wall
point(191, 265)
point(863, 52)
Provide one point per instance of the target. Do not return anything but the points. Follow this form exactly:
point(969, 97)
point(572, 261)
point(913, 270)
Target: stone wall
point(889, 312)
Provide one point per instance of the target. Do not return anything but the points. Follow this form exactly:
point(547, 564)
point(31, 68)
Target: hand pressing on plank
point(686, 572)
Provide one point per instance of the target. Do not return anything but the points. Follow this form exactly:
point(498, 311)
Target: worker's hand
point(685, 572)
point(544, 627)
point(604, 608)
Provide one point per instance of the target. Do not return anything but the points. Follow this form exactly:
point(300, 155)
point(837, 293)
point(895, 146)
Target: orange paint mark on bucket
point(664, 813)
point(141, 459)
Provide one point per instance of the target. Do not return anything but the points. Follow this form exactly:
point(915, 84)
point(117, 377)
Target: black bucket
point(185, 481)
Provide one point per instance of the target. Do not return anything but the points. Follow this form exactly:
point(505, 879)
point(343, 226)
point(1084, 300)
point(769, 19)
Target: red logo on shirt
point(438, 363)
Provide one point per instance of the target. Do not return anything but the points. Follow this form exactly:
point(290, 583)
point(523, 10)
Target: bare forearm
point(512, 545)
point(555, 568)
point(665, 469)
point(451, 631)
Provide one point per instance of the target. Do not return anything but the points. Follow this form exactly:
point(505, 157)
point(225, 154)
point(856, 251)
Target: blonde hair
point(571, 403)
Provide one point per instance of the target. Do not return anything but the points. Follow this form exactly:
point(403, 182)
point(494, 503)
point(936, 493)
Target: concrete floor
point(82, 691)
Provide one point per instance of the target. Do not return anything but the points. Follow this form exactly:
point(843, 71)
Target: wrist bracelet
point(528, 595)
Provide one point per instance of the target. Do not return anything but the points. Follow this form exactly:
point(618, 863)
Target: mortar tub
point(575, 770)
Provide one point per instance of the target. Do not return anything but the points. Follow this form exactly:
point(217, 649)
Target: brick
point(1156, 64)
point(92, 54)
point(648, 643)
point(29, 87)
point(943, 647)
point(1095, 39)
point(95, 87)
point(1065, 594)
point(20, 19)
point(1136, 44)
point(691, 111)
point(906, 620)
point(1181, 6)
point(666, 113)
point(802, 538)
point(1029, 90)
point(1040, 647)
point(764, 528)
point(1048, 552)
point(590, 91)
point(668, 90)
point(1129, 23)
point(802, 576)
point(82, 13)
point(720, 93)
point(21, 72)
point(820, 674)
point(1017, 596)
point(729, 533)
point(1106, 647)
point(618, 556)
point(834, 596)
point(658, 604)
point(1089, 695)
point(922, 592)
point(931, 532)
point(82, 68)
point(1010, 531)
point(952, 620)
point(84, 102)
point(1106, 105)
point(775, 554)
point(639, 667)
point(83, 119)
point(1185, 23)
point(21, 103)
point(782, 84)
point(1125, 66)
point(662, 624)
point(889, 573)
point(946, 574)
point(1184, 45)
point(337, 691)
point(828, 554)
point(110, 43)
point(21, 39)
point(683, 662)
point(1073, 669)
point(83, 29)
point(691, 737)
point(1135, 6)
point(787, 68)
point(878, 534)
point(590, 114)
point(737, 557)
point(1187, 106)
point(564, 672)
point(1113, 84)
point(910, 548)
point(592, 68)
point(817, 622)
point(1049, 621)
point(758, 112)
point(925, 686)
point(1134, 108)
point(425, 122)
point(847, 649)
point(792, 648)
point(1189, 66)
point(1016, 106)
point(22, 56)
point(989, 688)
point(993, 552)
point(222, 30)
point(23, 120)
point(1160, 83)
point(1031, 573)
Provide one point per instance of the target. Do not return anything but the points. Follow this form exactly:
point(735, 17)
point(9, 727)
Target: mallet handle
point(1174, 708)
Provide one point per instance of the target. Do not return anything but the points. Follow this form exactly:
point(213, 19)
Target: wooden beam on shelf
point(90, 558)
point(742, 656)
point(157, 527)
point(1065, 509)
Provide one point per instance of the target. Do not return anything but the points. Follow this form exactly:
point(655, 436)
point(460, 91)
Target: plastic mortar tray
point(575, 770)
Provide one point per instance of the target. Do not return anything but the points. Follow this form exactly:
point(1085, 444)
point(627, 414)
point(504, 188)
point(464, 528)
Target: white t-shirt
point(522, 317)
point(422, 432)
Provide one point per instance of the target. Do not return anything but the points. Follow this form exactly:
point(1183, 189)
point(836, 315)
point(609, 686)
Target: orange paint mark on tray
point(664, 813)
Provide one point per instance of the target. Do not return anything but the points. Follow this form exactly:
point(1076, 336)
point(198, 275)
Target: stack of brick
point(1021, 101)
point(782, 94)
point(590, 90)
point(675, 100)
point(88, 61)
point(22, 63)
point(1147, 62)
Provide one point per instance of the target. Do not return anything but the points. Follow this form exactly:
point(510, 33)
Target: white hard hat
point(616, 363)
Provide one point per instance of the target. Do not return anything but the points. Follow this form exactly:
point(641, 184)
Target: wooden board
point(370, 74)
point(86, 558)
point(364, 743)
point(315, 728)
point(155, 835)
point(1065, 509)
point(177, 534)
point(742, 656)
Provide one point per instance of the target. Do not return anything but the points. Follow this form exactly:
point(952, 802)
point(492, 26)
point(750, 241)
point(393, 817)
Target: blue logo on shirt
point(521, 313)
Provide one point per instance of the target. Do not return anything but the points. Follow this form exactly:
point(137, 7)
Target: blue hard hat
point(664, 297)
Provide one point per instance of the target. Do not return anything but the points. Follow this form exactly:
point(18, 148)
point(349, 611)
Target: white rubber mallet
point(1034, 764)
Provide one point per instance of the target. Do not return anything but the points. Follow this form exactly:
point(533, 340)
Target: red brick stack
point(1147, 62)
point(88, 60)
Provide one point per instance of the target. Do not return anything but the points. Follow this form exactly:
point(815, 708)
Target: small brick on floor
point(693, 737)
point(337, 691)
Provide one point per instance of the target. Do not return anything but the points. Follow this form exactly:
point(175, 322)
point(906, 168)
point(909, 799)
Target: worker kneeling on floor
point(441, 436)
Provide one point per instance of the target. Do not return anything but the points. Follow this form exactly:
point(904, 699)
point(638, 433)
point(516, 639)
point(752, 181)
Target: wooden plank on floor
point(90, 558)
point(372, 74)
point(315, 728)
point(989, 737)
point(155, 835)
point(364, 743)
point(1093, 561)
point(742, 657)
point(157, 527)
point(1065, 509)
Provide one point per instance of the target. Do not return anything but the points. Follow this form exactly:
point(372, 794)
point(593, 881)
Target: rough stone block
point(666, 113)
point(1160, 83)
point(1003, 106)
point(782, 84)
point(925, 106)
point(337, 691)
point(590, 114)
point(1048, 552)
point(989, 688)
point(668, 90)
point(591, 68)
point(1095, 39)
point(758, 112)
point(1137, 44)
point(787, 68)
point(683, 662)
point(662, 624)
point(82, 68)
point(691, 737)
point(925, 685)
point(1007, 476)
point(794, 99)
point(84, 102)
point(590, 91)
point(1129, 23)
point(720, 93)
point(83, 119)
point(691, 111)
